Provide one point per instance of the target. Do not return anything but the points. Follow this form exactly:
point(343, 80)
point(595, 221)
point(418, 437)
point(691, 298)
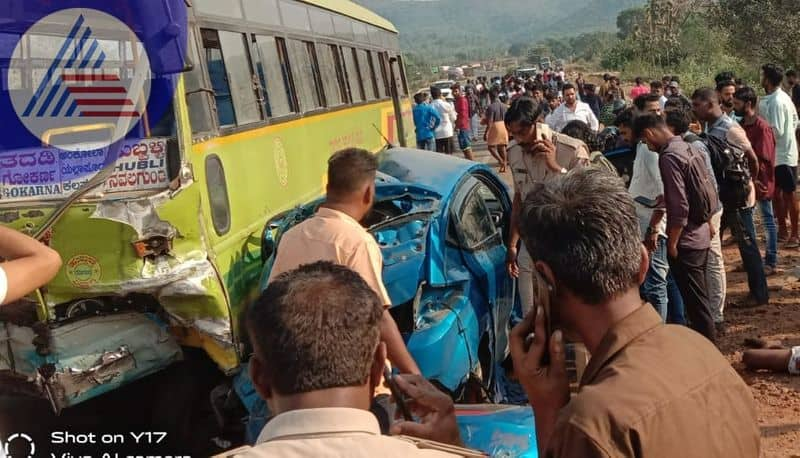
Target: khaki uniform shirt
point(337, 432)
point(333, 236)
point(655, 390)
point(528, 169)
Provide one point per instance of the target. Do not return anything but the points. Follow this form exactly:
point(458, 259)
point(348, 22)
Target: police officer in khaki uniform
point(317, 359)
point(535, 154)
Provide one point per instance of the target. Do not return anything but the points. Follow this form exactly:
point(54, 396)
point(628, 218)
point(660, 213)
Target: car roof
point(437, 172)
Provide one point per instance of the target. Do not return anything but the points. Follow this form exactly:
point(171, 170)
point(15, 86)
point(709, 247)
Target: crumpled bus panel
point(88, 357)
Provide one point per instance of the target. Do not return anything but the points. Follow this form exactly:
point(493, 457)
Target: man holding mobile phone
point(647, 383)
point(535, 154)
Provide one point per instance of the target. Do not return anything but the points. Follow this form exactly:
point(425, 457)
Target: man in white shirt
point(27, 264)
point(571, 110)
point(779, 111)
point(444, 133)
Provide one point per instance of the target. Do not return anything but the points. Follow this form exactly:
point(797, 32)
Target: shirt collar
point(323, 421)
point(326, 212)
point(620, 336)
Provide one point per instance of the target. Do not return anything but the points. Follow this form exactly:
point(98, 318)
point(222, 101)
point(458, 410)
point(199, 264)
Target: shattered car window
point(476, 221)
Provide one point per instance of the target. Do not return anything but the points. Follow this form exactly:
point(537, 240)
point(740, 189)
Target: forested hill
point(442, 28)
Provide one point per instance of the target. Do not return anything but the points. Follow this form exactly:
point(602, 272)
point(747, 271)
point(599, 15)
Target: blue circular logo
point(87, 85)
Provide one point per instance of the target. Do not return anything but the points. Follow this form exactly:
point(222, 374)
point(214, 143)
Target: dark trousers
point(445, 145)
point(689, 270)
point(744, 229)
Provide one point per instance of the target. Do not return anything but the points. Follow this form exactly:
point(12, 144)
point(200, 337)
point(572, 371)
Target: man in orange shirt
point(334, 234)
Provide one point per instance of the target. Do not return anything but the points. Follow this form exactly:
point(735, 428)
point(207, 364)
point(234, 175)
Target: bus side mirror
point(165, 29)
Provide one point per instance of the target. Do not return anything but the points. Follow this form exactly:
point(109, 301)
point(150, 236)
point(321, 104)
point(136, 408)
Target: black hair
point(349, 169)
point(725, 83)
point(420, 97)
point(773, 74)
point(625, 118)
point(791, 74)
point(638, 80)
point(724, 76)
point(747, 94)
point(641, 101)
point(647, 121)
point(568, 86)
point(581, 131)
point(435, 92)
point(583, 225)
point(524, 110)
point(677, 120)
point(655, 84)
point(705, 94)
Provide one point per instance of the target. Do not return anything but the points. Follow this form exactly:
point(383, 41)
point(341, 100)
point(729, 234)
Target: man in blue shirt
point(426, 120)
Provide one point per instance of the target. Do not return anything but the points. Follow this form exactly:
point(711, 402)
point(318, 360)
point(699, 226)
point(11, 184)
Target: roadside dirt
point(777, 395)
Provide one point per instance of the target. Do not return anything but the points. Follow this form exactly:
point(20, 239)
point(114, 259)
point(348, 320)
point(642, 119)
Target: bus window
point(218, 195)
point(219, 78)
point(383, 84)
point(260, 11)
point(367, 76)
point(274, 73)
point(403, 89)
point(218, 8)
point(240, 78)
point(295, 16)
point(198, 101)
point(332, 79)
point(356, 89)
point(304, 75)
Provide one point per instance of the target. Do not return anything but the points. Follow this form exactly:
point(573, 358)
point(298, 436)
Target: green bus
point(162, 253)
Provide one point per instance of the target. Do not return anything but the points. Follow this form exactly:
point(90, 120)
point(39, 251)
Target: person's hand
point(548, 150)
point(435, 410)
point(672, 249)
point(712, 230)
point(761, 189)
point(512, 267)
point(547, 386)
point(651, 241)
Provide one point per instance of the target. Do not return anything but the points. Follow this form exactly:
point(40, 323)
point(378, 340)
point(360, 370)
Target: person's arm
point(396, 349)
point(367, 261)
point(28, 264)
point(676, 201)
point(513, 237)
point(737, 136)
point(547, 386)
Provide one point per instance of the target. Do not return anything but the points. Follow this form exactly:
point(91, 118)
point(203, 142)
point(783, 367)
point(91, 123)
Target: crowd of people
point(634, 273)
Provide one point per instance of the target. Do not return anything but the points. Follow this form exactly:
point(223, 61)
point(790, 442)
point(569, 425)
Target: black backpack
point(701, 191)
point(730, 170)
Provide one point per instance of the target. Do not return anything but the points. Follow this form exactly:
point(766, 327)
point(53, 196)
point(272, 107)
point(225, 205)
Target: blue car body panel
point(458, 298)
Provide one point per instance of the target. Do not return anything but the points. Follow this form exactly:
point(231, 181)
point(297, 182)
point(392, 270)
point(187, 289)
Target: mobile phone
point(544, 132)
point(397, 394)
point(649, 203)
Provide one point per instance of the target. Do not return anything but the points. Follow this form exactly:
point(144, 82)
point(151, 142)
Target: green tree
point(628, 20)
point(763, 30)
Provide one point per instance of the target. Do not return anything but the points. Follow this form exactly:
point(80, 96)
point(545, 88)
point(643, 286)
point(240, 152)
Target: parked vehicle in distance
point(445, 86)
point(544, 63)
point(441, 223)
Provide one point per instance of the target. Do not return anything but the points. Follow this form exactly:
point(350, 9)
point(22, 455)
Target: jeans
point(654, 288)
point(428, 145)
point(689, 269)
point(768, 219)
point(475, 121)
point(744, 230)
point(715, 272)
point(676, 311)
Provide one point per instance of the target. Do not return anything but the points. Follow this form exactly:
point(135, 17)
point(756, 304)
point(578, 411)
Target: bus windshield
point(84, 100)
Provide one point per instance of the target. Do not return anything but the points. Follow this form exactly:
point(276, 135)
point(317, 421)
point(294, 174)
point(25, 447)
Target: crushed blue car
point(440, 223)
